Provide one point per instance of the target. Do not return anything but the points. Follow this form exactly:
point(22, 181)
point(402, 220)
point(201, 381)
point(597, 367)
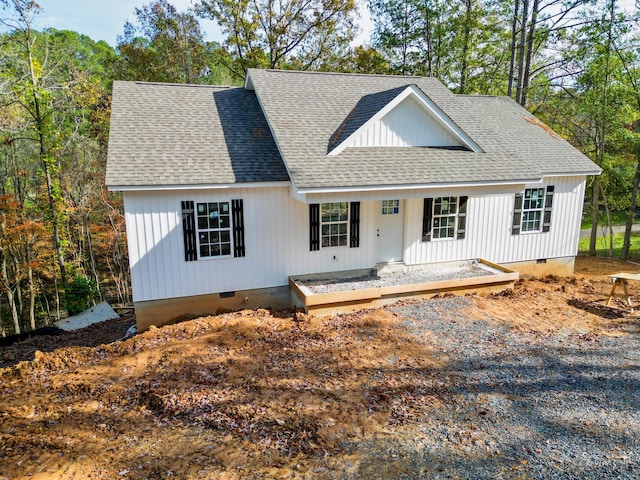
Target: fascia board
point(208, 186)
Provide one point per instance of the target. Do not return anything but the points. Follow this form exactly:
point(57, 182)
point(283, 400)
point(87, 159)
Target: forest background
point(573, 63)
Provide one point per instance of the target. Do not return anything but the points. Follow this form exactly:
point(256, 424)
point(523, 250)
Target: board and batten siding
point(277, 235)
point(489, 222)
point(276, 239)
point(408, 124)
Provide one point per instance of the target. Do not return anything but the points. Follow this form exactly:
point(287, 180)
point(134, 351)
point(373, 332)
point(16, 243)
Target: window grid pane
point(532, 209)
point(334, 219)
point(390, 207)
point(531, 221)
point(445, 206)
point(214, 229)
point(445, 214)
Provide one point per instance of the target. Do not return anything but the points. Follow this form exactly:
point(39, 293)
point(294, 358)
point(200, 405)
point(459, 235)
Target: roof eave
point(418, 186)
point(574, 174)
point(415, 186)
point(202, 186)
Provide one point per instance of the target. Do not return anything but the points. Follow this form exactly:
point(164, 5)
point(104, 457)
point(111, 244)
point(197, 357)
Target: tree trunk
point(92, 259)
point(626, 244)
point(18, 294)
point(40, 125)
point(3, 333)
point(530, 47)
point(602, 124)
point(10, 296)
point(32, 300)
point(429, 42)
point(466, 39)
point(594, 216)
point(522, 50)
point(57, 296)
point(609, 226)
point(514, 38)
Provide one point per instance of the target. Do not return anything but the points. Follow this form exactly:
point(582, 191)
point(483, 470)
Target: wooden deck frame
point(351, 300)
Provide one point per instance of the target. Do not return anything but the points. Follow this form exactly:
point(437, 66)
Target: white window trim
point(527, 210)
point(455, 219)
point(340, 222)
point(229, 229)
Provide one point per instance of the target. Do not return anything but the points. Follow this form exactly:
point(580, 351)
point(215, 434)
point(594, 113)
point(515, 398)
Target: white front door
point(390, 231)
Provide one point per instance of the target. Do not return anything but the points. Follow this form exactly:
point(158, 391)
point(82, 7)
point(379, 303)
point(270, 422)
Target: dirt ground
point(252, 394)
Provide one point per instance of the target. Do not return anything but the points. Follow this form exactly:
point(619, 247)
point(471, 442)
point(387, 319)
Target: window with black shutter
point(334, 224)
point(532, 210)
point(444, 218)
point(213, 229)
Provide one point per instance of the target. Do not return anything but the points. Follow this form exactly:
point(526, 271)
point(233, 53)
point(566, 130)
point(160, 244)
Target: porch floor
point(341, 292)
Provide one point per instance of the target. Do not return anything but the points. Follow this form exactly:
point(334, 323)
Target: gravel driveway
point(518, 404)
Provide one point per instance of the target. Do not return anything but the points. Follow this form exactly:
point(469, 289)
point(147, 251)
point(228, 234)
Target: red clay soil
point(251, 394)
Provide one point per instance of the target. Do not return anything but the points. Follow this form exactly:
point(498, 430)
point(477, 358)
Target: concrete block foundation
point(172, 310)
point(561, 267)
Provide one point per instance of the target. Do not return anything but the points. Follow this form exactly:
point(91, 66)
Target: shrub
point(79, 294)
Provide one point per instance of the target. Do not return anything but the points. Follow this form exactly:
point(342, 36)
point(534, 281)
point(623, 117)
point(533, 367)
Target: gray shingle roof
point(306, 110)
point(165, 134)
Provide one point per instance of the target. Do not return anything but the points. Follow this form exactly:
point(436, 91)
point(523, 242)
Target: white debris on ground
point(98, 313)
point(131, 332)
point(431, 274)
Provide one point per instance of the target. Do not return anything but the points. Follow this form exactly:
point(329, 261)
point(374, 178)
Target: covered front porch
point(342, 292)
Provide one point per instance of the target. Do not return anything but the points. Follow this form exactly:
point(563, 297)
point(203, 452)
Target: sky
point(104, 19)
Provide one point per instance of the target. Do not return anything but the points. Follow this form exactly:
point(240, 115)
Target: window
point(334, 221)
point(330, 224)
point(532, 210)
point(390, 207)
point(444, 217)
point(214, 229)
point(445, 211)
point(207, 229)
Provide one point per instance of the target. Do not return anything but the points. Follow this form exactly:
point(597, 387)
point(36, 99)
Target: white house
point(229, 191)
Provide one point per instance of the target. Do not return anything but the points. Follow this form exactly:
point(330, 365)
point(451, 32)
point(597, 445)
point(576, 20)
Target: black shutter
point(517, 215)
point(462, 217)
point(314, 227)
point(548, 204)
point(354, 225)
point(237, 213)
point(189, 231)
point(427, 216)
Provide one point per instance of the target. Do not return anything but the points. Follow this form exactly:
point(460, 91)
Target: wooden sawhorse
point(622, 279)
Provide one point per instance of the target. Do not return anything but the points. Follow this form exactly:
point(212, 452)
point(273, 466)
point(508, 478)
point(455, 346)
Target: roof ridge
point(345, 74)
point(473, 95)
point(170, 84)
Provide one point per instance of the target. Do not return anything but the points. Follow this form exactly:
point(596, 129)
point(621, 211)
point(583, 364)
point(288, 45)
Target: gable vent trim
point(425, 102)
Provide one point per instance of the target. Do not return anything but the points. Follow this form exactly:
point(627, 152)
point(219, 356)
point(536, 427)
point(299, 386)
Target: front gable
point(402, 117)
